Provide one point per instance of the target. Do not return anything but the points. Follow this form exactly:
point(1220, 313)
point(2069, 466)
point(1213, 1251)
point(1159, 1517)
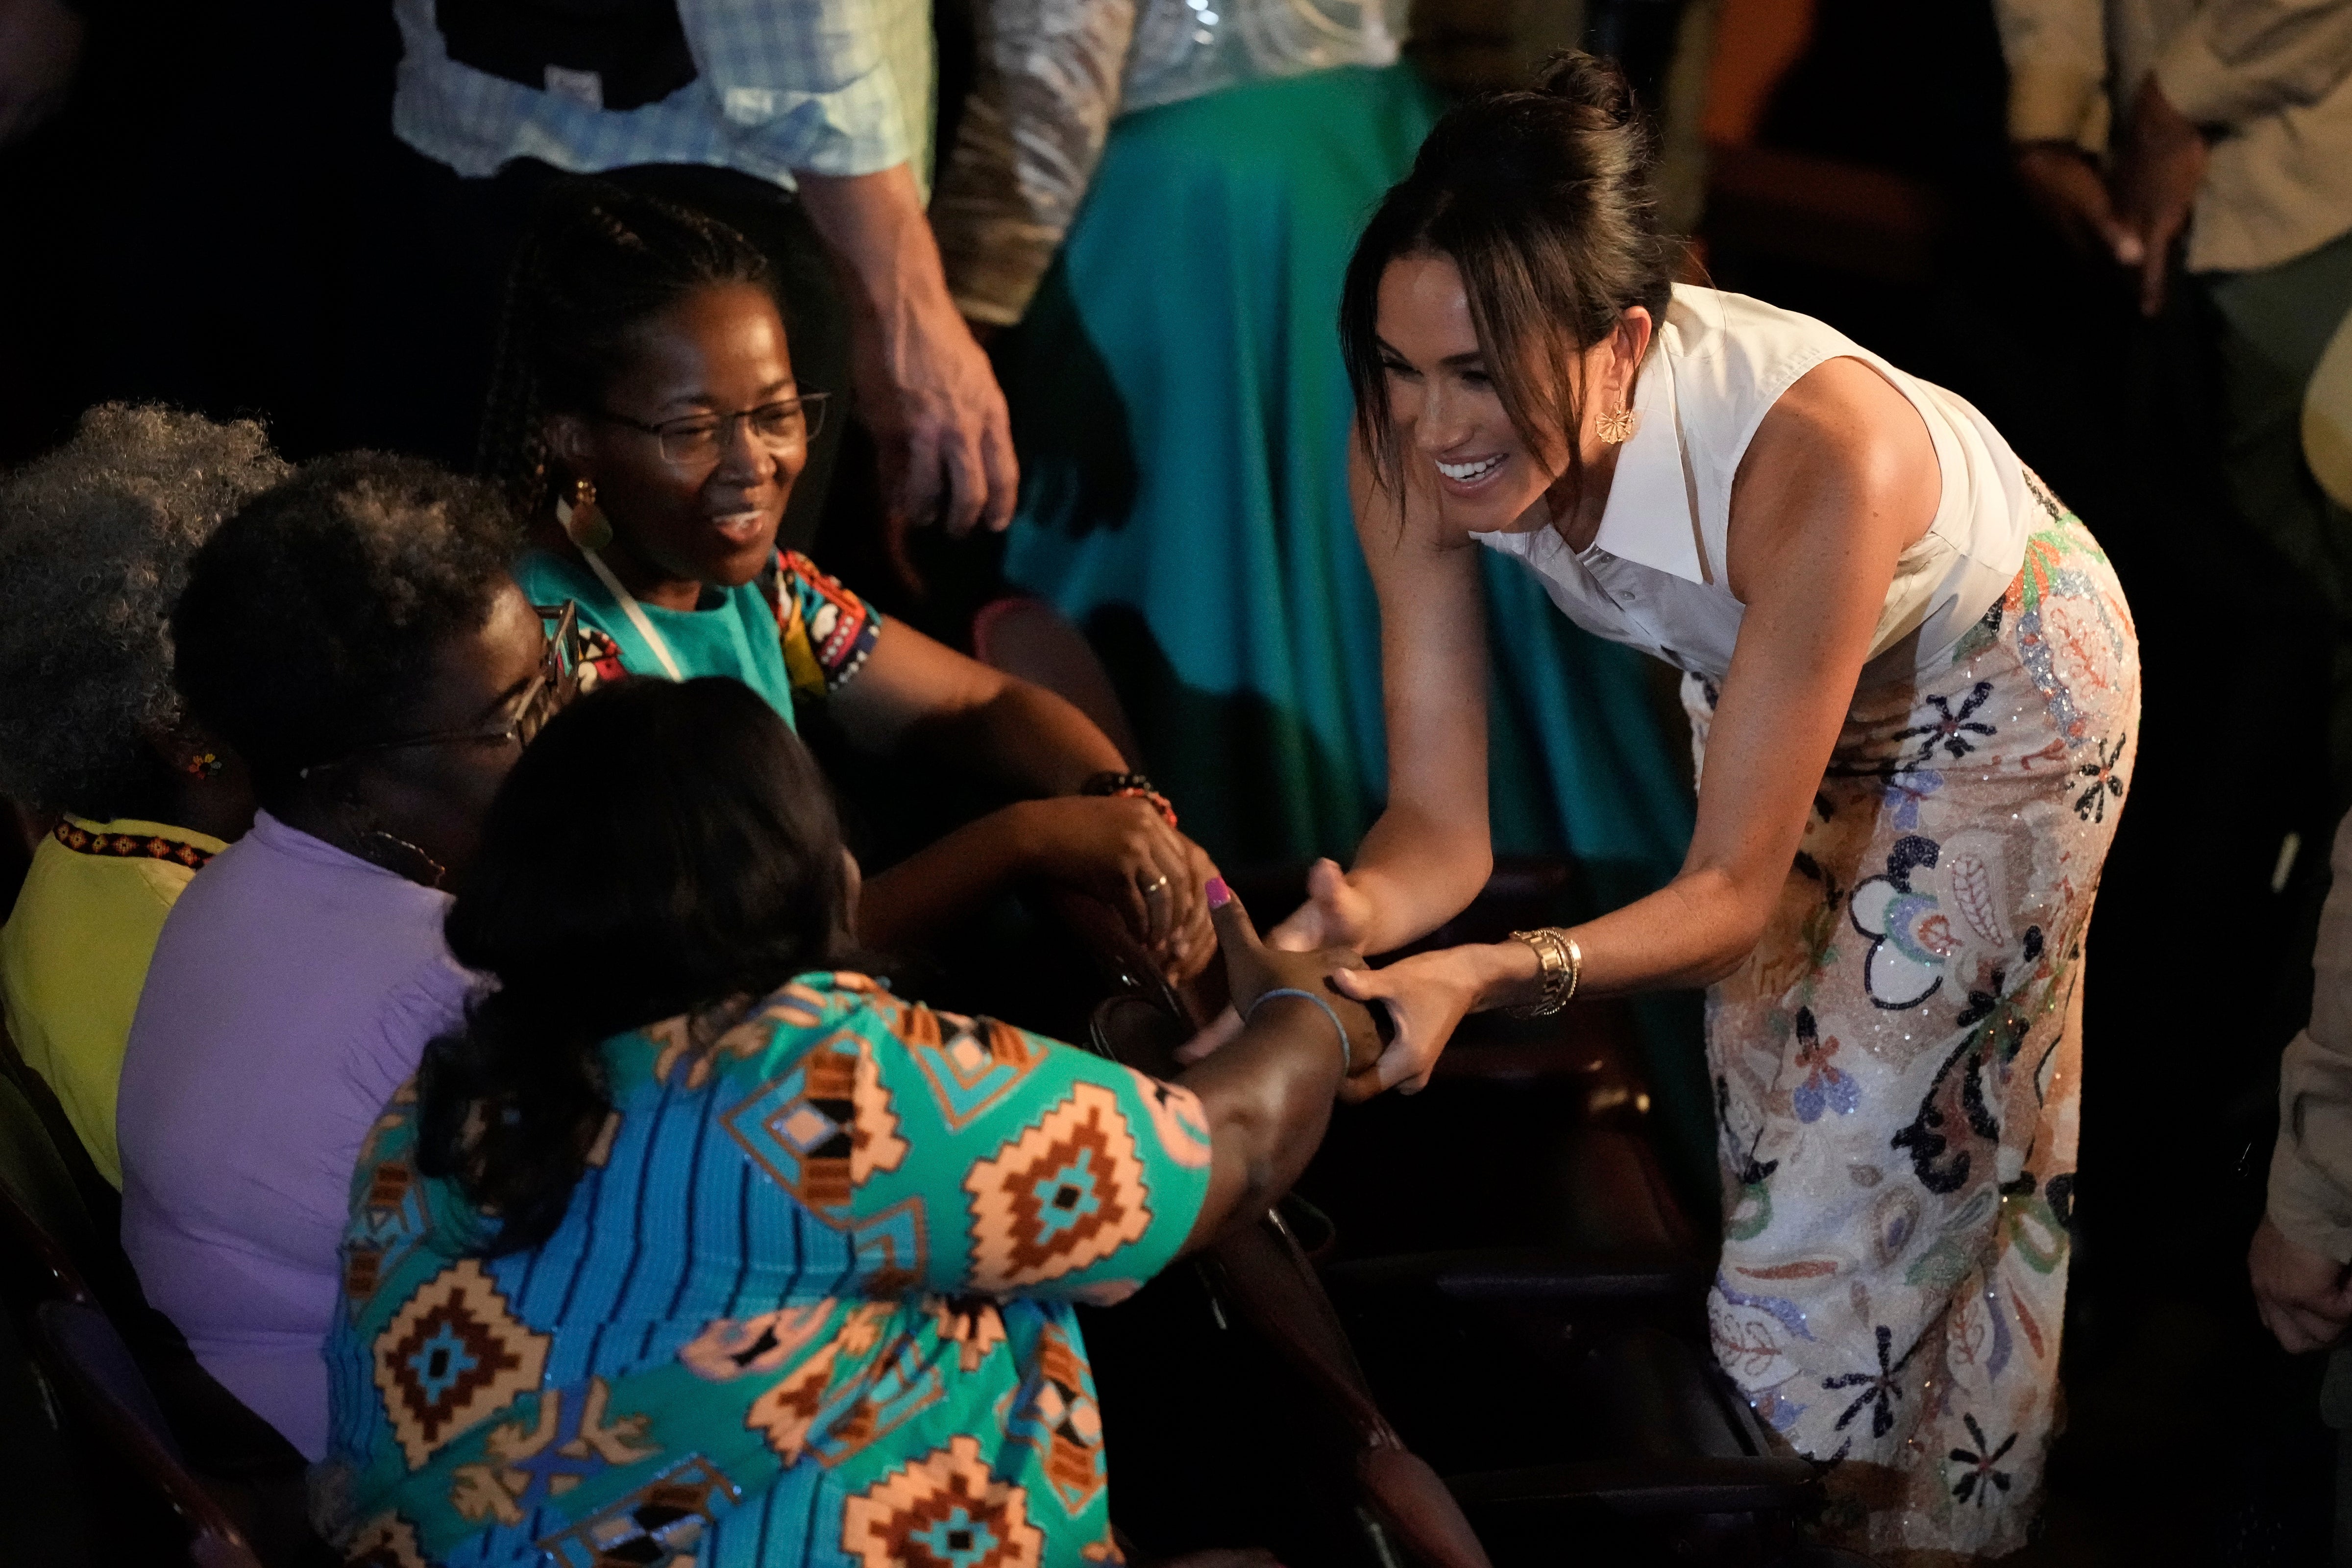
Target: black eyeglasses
point(549, 693)
point(786, 426)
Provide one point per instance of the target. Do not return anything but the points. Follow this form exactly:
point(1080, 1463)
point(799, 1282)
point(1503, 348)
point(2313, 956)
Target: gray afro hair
point(95, 539)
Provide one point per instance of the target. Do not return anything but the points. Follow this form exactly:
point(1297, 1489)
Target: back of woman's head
point(658, 849)
point(598, 263)
point(95, 540)
point(1545, 200)
point(312, 619)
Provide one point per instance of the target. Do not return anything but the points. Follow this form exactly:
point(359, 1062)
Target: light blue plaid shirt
point(831, 86)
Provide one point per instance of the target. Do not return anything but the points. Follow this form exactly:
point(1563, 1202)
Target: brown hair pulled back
point(1546, 201)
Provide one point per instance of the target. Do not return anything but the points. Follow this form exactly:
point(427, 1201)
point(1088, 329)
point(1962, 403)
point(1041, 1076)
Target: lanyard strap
point(634, 611)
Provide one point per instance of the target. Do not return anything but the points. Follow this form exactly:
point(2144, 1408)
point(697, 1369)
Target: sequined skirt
point(1897, 1069)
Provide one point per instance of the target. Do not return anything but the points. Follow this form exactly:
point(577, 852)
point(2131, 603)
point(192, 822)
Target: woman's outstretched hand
point(1253, 969)
point(1425, 997)
point(1334, 915)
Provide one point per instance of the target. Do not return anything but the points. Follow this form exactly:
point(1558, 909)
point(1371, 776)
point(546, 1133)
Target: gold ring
point(1158, 885)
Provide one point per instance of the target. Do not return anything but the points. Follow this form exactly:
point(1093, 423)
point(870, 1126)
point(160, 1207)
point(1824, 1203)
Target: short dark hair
point(659, 849)
point(311, 619)
point(95, 541)
point(597, 263)
point(1546, 199)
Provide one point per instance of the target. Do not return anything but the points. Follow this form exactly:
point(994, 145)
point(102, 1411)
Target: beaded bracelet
point(1329, 1011)
point(1131, 786)
point(1563, 965)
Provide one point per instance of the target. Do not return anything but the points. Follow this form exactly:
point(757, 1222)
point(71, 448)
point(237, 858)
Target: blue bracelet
point(1329, 1011)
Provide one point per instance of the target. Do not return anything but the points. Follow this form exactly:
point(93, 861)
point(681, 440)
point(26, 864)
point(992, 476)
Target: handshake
point(1255, 971)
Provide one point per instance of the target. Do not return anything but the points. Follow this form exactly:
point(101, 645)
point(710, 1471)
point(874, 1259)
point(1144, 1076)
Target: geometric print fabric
point(694, 1341)
point(1065, 1194)
point(451, 1355)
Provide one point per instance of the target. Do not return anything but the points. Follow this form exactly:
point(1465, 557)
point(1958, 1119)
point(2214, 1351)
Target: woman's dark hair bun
point(1591, 81)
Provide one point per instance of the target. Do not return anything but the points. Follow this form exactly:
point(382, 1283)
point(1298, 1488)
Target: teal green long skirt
point(1182, 413)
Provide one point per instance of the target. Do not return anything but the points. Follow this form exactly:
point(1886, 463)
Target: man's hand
point(2161, 164)
point(40, 45)
point(930, 396)
point(2303, 1298)
point(2063, 182)
point(923, 385)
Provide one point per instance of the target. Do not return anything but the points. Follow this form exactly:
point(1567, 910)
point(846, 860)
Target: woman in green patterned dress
point(695, 1244)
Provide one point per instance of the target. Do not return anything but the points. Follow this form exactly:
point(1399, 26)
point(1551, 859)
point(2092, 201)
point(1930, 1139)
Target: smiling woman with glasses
point(355, 635)
point(645, 415)
point(787, 424)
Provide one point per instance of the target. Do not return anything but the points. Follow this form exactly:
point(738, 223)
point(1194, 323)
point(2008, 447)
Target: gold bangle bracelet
point(1561, 965)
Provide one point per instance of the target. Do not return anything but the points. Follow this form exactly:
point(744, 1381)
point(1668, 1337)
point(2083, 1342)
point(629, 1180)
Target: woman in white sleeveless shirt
point(1914, 690)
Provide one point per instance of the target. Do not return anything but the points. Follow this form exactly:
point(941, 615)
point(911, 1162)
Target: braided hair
point(598, 262)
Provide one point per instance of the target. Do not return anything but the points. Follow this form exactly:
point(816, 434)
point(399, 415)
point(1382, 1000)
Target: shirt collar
point(1652, 518)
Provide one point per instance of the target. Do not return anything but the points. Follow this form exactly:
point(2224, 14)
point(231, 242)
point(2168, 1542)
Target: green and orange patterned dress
point(809, 1304)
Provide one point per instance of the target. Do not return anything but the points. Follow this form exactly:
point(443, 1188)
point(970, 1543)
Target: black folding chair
point(95, 1371)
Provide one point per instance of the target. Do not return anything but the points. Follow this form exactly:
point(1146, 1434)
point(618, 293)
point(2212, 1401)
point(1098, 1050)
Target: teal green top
point(793, 629)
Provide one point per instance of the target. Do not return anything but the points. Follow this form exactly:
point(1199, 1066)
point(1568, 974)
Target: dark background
point(221, 220)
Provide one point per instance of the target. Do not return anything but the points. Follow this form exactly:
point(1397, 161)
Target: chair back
point(41, 1208)
point(103, 1384)
point(99, 1198)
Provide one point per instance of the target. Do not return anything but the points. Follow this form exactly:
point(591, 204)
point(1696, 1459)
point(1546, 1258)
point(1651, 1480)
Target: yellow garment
point(74, 955)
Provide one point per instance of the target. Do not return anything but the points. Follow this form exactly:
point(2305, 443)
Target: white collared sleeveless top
point(1654, 576)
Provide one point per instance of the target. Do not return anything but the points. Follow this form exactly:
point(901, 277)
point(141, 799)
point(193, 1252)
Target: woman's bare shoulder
point(1842, 451)
point(1846, 413)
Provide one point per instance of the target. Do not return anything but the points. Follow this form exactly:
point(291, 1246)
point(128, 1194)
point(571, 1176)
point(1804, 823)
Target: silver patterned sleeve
point(1045, 90)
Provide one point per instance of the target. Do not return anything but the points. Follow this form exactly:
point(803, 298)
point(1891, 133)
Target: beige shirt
point(2311, 1167)
point(2270, 79)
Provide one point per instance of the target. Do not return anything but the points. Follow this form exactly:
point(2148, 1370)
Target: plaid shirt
point(830, 87)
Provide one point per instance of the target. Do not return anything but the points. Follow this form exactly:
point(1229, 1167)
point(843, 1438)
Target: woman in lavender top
point(354, 634)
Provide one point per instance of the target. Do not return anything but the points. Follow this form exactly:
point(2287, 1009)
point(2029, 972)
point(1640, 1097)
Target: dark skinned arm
point(918, 697)
point(915, 696)
point(1267, 1094)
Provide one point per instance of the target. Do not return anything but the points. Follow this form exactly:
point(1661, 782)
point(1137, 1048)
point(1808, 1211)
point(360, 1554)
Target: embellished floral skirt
point(1897, 1069)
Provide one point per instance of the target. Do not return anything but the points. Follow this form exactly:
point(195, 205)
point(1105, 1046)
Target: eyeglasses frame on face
point(549, 693)
point(810, 406)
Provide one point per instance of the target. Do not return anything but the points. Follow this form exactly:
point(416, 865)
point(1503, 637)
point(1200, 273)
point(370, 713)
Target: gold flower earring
point(583, 520)
point(1616, 426)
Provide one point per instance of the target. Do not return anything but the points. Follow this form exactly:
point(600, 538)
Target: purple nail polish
point(1219, 894)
